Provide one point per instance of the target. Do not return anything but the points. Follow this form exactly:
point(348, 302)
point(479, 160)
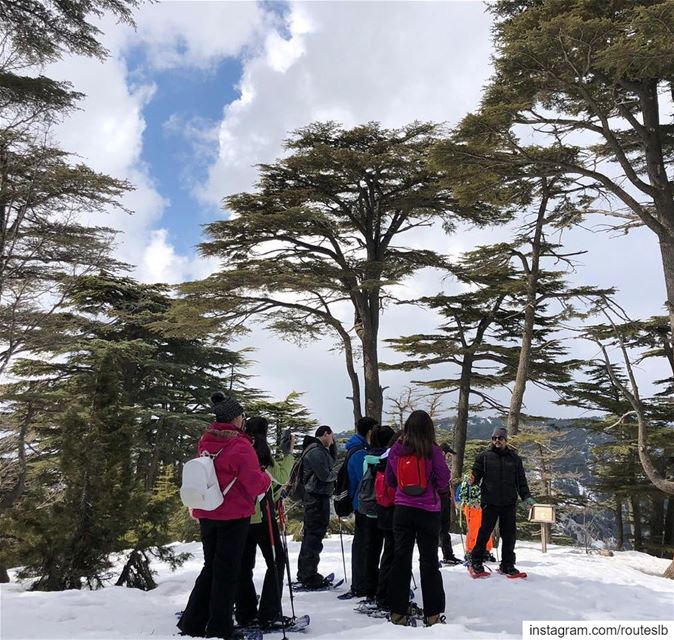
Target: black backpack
point(295, 485)
point(343, 501)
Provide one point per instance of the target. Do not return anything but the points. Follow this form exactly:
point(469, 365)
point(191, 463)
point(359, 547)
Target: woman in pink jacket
point(224, 529)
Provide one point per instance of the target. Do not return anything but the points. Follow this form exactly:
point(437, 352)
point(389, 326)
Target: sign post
point(545, 515)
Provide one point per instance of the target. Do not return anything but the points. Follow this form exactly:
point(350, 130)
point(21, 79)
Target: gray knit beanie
point(225, 407)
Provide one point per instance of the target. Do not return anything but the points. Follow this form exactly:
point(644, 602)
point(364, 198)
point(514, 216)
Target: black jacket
point(318, 474)
point(502, 476)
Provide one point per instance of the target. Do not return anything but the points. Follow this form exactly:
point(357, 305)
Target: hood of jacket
point(356, 440)
point(221, 435)
point(309, 440)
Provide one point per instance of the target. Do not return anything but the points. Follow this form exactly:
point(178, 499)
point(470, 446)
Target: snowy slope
point(564, 584)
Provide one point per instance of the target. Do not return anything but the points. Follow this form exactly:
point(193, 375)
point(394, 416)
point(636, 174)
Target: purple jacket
point(437, 473)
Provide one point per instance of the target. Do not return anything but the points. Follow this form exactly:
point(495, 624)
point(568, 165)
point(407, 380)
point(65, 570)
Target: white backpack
point(200, 488)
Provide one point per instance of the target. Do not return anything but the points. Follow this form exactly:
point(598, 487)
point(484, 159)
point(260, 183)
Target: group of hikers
point(396, 483)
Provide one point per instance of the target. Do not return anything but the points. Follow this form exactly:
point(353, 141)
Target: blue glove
point(530, 501)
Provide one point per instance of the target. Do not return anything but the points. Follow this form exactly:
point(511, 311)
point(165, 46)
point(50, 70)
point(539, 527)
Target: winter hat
point(225, 407)
point(500, 431)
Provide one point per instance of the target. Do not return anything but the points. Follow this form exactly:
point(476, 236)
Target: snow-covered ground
point(564, 584)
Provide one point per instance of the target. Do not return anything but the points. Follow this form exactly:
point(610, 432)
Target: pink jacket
point(237, 459)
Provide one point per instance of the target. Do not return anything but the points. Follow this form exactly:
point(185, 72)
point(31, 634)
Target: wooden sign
point(543, 513)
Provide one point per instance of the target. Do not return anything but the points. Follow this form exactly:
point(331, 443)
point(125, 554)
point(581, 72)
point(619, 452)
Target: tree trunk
point(635, 513)
point(619, 536)
point(532, 273)
point(669, 522)
point(667, 253)
point(4, 576)
point(351, 370)
point(461, 424)
point(374, 396)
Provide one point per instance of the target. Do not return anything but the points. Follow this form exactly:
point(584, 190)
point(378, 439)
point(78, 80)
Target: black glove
point(286, 440)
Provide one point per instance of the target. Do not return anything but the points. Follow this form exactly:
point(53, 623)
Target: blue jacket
point(355, 468)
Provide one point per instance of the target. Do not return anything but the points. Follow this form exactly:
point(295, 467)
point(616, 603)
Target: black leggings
point(209, 609)
point(246, 599)
point(410, 525)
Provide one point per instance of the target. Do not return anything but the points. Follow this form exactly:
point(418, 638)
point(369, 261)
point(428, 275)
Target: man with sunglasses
point(500, 472)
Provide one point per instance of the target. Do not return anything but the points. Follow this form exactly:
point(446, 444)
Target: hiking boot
point(477, 566)
point(438, 618)
point(508, 569)
point(400, 619)
point(451, 560)
point(280, 622)
point(490, 557)
point(315, 582)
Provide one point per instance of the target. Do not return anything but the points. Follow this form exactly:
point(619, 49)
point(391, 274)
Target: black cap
point(225, 407)
point(447, 449)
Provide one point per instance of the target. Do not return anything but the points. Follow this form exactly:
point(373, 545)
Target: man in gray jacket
point(318, 477)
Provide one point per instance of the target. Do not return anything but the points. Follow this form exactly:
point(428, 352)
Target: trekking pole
point(414, 582)
point(341, 542)
point(273, 555)
point(282, 519)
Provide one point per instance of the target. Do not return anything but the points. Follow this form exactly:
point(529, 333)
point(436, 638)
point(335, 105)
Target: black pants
point(209, 609)
point(445, 523)
point(246, 598)
point(506, 517)
point(410, 525)
point(375, 542)
point(385, 568)
point(316, 521)
point(359, 556)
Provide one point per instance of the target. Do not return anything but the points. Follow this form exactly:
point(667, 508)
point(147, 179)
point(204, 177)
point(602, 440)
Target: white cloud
point(197, 34)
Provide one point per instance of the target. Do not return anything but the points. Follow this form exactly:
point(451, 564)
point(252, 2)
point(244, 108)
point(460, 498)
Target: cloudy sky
point(200, 92)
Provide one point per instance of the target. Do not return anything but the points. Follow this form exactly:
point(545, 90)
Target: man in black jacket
point(501, 473)
point(318, 479)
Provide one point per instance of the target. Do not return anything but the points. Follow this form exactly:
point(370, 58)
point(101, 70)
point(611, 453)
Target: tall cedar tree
point(618, 480)
point(613, 336)
point(43, 193)
point(482, 335)
point(162, 390)
point(324, 233)
point(593, 80)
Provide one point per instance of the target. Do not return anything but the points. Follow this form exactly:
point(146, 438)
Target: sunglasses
point(498, 438)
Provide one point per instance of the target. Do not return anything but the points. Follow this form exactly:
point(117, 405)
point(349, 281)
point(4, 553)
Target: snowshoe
point(320, 584)
point(365, 606)
point(511, 572)
point(477, 570)
point(414, 611)
point(289, 625)
point(349, 595)
point(248, 634)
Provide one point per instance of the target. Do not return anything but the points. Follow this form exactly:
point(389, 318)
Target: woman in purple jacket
point(417, 468)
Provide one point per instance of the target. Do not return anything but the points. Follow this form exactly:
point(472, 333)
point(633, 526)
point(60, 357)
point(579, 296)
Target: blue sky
point(186, 95)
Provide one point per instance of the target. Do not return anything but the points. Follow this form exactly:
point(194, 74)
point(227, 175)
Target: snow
point(564, 584)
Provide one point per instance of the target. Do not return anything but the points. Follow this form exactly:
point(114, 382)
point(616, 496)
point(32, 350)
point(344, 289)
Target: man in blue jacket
point(357, 447)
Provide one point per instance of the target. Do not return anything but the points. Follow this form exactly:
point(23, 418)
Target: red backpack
point(384, 495)
point(412, 475)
